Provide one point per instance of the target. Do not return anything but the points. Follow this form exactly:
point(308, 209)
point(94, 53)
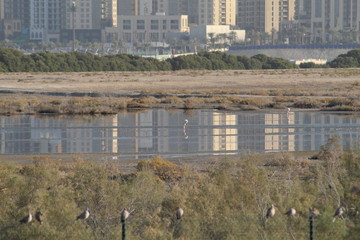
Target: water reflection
point(159, 132)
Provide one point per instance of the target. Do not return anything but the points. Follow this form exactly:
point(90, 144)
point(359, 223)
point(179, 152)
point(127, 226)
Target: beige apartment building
point(145, 29)
point(109, 13)
point(264, 15)
point(217, 12)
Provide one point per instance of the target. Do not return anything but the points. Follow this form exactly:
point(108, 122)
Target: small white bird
point(124, 215)
point(27, 218)
point(84, 215)
point(271, 211)
point(179, 212)
point(338, 213)
point(291, 212)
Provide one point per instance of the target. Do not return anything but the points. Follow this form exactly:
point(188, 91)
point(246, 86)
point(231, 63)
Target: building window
point(154, 24)
point(127, 24)
point(154, 37)
point(140, 24)
point(164, 25)
point(174, 24)
point(127, 37)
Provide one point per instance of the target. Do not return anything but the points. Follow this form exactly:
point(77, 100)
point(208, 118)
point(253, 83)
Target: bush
point(219, 203)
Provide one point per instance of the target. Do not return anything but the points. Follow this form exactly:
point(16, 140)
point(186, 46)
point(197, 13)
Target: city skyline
point(277, 21)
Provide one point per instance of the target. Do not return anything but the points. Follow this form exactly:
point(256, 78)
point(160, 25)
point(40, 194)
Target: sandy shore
point(317, 81)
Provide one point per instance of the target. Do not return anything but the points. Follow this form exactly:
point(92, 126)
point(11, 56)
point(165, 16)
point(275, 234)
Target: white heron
point(185, 124)
point(179, 212)
point(84, 215)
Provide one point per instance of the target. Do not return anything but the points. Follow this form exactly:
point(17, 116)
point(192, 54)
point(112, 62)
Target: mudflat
point(341, 82)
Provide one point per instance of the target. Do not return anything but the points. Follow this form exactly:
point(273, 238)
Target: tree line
point(15, 61)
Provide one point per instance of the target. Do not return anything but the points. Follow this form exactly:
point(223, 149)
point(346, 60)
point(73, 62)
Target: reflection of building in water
point(2, 135)
point(320, 127)
point(45, 135)
point(14, 138)
point(161, 132)
point(95, 136)
point(225, 137)
point(276, 137)
point(39, 135)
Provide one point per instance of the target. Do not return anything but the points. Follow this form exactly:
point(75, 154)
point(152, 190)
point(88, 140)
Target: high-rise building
point(108, 13)
point(217, 12)
point(330, 17)
point(185, 7)
point(89, 17)
point(160, 6)
point(303, 9)
point(264, 15)
point(145, 7)
point(128, 7)
point(14, 17)
point(45, 19)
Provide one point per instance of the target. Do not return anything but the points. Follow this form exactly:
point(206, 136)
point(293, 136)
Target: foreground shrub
point(228, 200)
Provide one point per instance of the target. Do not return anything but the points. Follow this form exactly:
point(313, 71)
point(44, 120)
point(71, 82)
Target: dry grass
point(191, 89)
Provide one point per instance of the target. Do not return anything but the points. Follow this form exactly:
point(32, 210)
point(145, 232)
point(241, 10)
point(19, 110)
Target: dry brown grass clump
point(165, 170)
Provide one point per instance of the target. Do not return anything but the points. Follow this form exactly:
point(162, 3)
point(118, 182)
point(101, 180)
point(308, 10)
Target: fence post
point(311, 220)
point(123, 231)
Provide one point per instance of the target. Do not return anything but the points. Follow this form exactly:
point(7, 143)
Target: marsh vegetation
point(228, 200)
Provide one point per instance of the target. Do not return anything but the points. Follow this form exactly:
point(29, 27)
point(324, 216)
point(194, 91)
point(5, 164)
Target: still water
point(166, 133)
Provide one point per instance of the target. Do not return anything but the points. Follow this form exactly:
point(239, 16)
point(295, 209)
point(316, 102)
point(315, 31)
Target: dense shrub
point(15, 61)
point(227, 201)
point(348, 60)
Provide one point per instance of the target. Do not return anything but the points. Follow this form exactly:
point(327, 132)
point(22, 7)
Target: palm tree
point(222, 38)
point(232, 36)
point(273, 32)
point(264, 37)
point(212, 39)
point(194, 43)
